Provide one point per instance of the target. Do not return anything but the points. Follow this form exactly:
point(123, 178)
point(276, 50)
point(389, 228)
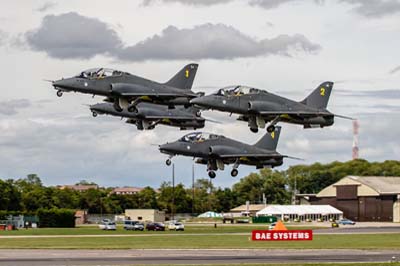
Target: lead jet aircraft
point(125, 90)
point(215, 151)
point(258, 107)
point(148, 115)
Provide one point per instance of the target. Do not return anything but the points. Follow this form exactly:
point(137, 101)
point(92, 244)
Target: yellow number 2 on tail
point(322, 92)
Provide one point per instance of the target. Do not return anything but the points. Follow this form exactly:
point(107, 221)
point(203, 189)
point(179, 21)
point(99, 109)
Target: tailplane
point(320, 96)
point(184, 78)
point(270, 140)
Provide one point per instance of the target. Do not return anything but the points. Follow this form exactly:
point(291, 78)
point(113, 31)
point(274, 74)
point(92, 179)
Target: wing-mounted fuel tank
point(258, 106)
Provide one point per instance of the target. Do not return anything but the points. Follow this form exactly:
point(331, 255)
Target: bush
point(56, 218)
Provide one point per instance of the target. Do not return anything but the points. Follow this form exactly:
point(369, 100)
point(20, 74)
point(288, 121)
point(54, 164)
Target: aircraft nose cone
point(166, 148)
point(60, 84)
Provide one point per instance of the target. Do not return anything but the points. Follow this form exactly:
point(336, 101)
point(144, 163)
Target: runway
point(204, 256)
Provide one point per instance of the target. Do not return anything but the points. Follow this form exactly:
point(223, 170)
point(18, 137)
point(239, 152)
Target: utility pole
point(173, 192)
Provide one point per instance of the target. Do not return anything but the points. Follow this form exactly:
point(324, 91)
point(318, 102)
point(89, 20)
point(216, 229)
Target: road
point(203, 256)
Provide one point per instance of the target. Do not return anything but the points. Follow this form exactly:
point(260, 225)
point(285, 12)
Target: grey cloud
point(71, 35)
point(375, 8)
point(367, 8)
point(11, 107)
point(46, 6)
point(395, 70)
point(189, 2)
point(212, 41)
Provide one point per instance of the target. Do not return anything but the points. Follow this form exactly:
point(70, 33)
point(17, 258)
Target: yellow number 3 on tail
point(187, 73)
point(322, 92)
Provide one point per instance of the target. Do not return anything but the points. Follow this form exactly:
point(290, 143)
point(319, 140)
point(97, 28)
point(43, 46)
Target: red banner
point(278, 235)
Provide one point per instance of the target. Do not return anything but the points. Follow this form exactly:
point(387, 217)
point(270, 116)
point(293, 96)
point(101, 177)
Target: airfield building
point(363, 198)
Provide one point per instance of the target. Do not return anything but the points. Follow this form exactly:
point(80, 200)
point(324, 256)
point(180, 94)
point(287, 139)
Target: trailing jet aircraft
point(259, 107)
point(125, 90)
point(215, 151)
point(149, 115)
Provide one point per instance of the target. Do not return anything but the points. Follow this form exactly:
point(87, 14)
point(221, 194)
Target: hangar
point(363, 198)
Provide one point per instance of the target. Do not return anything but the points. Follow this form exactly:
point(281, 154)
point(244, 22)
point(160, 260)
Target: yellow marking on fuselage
point(145, 98)
point(187, 73)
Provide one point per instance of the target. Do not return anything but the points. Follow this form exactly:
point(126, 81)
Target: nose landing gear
point(59, 93)
point(234, 172)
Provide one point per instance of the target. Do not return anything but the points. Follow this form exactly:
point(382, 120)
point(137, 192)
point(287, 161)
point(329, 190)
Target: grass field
point(301, 264)
point(176, 241)
point(93, 230)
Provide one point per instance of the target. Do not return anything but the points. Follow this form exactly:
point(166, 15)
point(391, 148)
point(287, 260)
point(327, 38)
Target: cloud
point(11, 107)
point(189, 2)
point(374, 8)
point(3, 37)
point(70, 36)
point(46, 6)
point(395, 70)
point(367, 8)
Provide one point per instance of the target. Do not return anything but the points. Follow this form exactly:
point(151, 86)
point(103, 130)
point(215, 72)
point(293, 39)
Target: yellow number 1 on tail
point(187, 73)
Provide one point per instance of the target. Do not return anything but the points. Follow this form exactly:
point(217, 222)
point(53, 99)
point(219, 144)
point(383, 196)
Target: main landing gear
point(212, 174)
point(234, 172)
point(59, 93)
point(168, 162)
point(271, 128)
point(94, 114)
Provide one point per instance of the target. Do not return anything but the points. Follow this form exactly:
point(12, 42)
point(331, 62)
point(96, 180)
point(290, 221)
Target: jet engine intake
point(258, 106)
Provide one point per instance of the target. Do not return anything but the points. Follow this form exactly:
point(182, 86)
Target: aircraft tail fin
point(270, 140)
point(184, 78)
point(320, 96)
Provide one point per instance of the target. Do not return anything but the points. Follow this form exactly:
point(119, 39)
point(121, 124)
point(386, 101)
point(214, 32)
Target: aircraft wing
point(135, 90)
point(250, 155)
point(294, 113)
point(170, 117)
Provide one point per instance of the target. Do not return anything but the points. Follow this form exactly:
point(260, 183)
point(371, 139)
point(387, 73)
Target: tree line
point(27, 195)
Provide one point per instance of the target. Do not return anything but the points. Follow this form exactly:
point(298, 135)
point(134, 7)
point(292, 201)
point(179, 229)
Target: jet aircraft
point(125, 90)
point(149, 115)
point(216, 150)
point(258, 107)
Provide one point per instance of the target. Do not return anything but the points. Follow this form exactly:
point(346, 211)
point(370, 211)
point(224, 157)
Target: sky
point(287, 47)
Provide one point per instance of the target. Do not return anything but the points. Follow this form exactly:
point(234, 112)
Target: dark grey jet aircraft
point(125, 90)
point(149, 115)
point(215, 151)
point(258, 107)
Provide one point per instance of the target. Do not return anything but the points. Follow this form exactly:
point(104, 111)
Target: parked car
point(346, 222)
point(155, 227)
point(138, 227)
point(176, 226)
point(104, 225)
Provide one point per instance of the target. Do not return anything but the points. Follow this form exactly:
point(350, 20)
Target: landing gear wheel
point(59, 93)
point(117, 107)
point(254, 130)
point(94, 114)
point(234, 172)
point(132, 109)
point(168, 162)
point(212, 174)
point(271, 128)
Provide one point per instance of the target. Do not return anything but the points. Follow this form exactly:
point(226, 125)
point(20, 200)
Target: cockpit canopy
point(236, 90)
point(97, 73)
point(198, 137)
